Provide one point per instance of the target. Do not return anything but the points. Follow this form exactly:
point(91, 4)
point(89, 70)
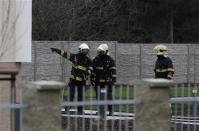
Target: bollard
point(153, 114)
point(44, 111)
point(102, 108)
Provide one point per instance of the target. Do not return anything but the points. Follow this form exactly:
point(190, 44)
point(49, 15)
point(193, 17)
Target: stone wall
point(133, 61)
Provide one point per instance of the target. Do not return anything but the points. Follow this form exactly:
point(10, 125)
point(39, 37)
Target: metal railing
point(16, 114)
point(184, 106)
point(96, 115)
point(184, 109)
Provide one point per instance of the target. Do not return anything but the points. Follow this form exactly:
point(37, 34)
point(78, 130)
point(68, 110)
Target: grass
point(119, 93)
point(183, 91)
point(122, 92)
point(185, 109)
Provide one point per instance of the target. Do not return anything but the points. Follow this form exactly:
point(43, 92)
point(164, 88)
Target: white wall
point(15, 30)
point(23, 30)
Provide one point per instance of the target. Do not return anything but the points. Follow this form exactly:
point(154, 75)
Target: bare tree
point(120, 20)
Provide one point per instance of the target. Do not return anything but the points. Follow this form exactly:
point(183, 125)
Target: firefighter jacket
point(104, 69)
point(81, 65)
point(163, 67)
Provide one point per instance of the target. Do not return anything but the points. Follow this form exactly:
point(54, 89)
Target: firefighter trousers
point(109, 92)
point(72, 85)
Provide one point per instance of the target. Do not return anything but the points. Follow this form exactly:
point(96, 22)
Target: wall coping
point(47, 85)
point(151, 82)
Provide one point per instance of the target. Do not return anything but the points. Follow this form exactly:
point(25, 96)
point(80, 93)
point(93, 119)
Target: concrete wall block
point(147, 49)
point(33, 52)
point(27, 72)
point(181, 69)
point(179, 59)
point(148, 69)
point(50, 58)
point(148, 59)
point(50, 69)
point(28, 69)
point(180, 79)
point(49, 77)
point(27, 78)
point(194, 48)
point(196, 58)
point(126, 54)
point(73, 46)
point(44, 54)
point(130, 60)
point(177, 49)
point(128, 49)
point(126, 71)
point(126, 80)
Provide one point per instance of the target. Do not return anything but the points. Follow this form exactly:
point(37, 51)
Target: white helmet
point(103, 48)
point(160, 49)
point(84, 48)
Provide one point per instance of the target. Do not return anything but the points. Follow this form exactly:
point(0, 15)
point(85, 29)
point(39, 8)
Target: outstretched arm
point(61, 52)
point(56, 50)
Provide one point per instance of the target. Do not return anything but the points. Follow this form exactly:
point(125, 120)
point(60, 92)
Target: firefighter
point(81, 69)
point(163, 65)
point(104, 73)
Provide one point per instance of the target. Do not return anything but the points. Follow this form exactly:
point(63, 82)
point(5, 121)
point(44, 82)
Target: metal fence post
point(17, 120)
point(44, 111)
point(154, 112)
point(102, 108)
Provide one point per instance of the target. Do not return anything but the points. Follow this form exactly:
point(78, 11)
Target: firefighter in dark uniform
point(81, 69)
point(163, 65)
point(104, 73)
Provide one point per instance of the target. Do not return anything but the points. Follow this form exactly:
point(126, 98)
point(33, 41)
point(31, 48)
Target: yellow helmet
point(103, 47)
point(160, 49)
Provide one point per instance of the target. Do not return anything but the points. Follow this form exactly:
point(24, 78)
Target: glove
point(93, 83)
point(170, 76)
point(55, 50)
point(112, 83)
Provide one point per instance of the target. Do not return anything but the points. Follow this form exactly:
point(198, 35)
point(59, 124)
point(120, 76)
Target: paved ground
point(129, 116)
point(93, 114)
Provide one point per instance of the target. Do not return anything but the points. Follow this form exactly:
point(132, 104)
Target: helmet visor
point(101, 52)
point(85, 51)
point(161, 52)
